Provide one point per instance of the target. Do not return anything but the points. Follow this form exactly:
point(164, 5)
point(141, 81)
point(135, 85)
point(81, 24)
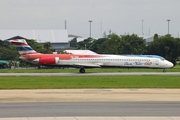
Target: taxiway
point(94, 74)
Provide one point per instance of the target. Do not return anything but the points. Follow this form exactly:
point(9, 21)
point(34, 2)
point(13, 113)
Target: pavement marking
point(95, 118)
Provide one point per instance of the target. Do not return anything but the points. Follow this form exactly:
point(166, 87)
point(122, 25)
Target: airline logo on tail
point(22, 47)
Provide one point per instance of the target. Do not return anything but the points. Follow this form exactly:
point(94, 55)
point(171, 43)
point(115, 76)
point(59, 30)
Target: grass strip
point(71, 82)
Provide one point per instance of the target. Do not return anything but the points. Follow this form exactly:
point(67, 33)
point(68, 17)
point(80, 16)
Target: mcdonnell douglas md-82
point(83, 61)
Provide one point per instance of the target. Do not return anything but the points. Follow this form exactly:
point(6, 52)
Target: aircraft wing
point(91, 65)
point(86, 52)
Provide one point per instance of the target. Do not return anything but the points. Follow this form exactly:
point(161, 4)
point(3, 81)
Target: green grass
point(61, 82)
point(70, 82)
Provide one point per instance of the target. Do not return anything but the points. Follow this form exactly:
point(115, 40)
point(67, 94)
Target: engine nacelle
point(47, 61)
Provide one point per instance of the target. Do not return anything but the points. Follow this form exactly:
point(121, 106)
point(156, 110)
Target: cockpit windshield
point(162, 59)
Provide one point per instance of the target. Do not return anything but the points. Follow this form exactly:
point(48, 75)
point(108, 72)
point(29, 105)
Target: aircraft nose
point(170, 64)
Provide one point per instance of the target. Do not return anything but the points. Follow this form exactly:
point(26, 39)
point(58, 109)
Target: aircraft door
point(156, 62)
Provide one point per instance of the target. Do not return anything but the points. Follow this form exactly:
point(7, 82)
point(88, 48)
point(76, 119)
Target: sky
point(141, 17)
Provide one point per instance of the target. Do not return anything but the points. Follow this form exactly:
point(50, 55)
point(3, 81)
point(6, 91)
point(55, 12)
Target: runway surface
point(90, 104)
point(94, 74)
point(63, 109)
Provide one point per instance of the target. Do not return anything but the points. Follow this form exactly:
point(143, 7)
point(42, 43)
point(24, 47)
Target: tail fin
point(22, 46)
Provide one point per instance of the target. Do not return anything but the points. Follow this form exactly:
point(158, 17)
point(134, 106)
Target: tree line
point(165, 46)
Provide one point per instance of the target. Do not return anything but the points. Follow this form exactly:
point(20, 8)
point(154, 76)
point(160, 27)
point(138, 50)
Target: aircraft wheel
point(164, 70)
point(39, 66)
point(82, 70)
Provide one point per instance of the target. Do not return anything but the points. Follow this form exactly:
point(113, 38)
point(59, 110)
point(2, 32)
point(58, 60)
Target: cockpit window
point(162, 59)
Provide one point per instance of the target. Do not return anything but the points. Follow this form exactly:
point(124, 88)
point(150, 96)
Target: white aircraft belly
point(87, 64)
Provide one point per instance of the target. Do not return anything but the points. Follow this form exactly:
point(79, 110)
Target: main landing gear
point(82, 70)
point(39, 66)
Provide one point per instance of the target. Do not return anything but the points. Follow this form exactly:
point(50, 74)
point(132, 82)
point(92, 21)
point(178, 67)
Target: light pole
point(90, 27)
point(168, 25)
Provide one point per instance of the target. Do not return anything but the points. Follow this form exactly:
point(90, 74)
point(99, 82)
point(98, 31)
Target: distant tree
point(73, 43)
point(85, 44)
point(8, 52)
point(47, 48)
point(111, 45)
point(156, 37)
point(47, 45)
point(132, 44)
point(165, 46)
point(1, 43)
point(114, 44)
point(96, 45)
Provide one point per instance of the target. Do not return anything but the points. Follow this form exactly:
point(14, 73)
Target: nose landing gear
point(164, 70)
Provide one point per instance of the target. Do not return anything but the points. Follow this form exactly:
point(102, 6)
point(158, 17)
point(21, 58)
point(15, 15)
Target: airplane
point(83, 61)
